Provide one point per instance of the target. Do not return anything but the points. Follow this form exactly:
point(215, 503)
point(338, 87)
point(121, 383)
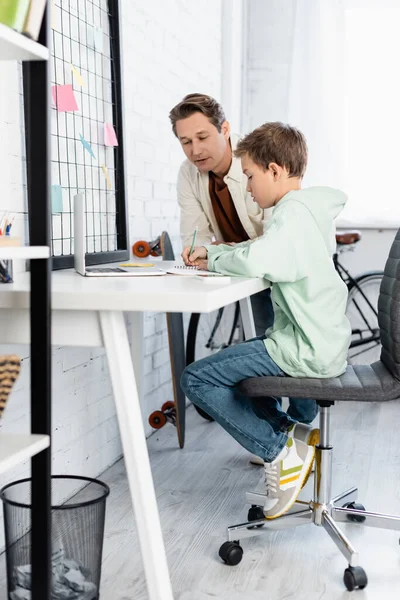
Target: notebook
point(79, 251)
point(184, 270)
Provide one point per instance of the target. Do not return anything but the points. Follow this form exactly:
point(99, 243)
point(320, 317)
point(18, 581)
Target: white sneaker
point(285, 476)
point(300, 431)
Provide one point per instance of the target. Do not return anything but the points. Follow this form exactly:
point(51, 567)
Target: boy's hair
point(201, 103)
point(276, 142)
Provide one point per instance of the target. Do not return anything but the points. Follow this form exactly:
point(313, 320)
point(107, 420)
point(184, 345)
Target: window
point(372, 123)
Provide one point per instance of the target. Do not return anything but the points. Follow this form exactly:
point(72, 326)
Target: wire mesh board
point(86, 129)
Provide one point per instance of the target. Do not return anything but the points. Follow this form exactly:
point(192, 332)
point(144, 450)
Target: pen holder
point(6, 271)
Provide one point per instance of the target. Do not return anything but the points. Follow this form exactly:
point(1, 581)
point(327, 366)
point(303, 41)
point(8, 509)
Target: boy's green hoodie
point(311, 334)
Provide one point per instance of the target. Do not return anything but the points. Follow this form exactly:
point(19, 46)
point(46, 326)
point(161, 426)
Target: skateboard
point(172, 412)
point(143, 248)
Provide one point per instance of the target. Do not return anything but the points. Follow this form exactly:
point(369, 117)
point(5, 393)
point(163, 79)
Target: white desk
point(89, 311)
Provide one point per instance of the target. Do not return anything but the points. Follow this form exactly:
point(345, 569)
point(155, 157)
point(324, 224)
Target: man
point(212, 188)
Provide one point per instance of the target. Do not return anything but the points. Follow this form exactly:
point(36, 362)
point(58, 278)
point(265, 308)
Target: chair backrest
point(389, 310)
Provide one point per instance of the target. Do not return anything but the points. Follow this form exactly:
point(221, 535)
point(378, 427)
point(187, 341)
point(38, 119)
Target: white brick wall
point(169, 49)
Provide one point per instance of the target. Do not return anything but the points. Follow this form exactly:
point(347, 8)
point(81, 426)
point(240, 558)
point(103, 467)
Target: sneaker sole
point(312, 440)
point(297, 494)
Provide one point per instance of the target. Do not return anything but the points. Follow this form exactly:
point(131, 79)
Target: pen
point(194, 239)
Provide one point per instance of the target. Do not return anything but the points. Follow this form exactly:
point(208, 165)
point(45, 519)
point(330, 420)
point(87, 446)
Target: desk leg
point(246, 313)
point(136, 456)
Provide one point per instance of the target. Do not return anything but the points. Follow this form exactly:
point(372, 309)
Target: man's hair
point(193, 103)
point(276, 142)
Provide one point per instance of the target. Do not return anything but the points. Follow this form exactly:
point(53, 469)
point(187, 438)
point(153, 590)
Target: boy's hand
point(226, 243)
point(202, 264)
point(198, 253)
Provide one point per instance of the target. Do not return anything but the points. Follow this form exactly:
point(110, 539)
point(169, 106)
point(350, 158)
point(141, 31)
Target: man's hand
point(191, 260)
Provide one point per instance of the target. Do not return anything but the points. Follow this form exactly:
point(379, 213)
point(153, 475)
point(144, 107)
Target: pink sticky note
point(64, 98)
point(110, 138)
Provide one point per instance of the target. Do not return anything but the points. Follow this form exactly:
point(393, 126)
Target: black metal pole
point(37, 135)
point(121, 201)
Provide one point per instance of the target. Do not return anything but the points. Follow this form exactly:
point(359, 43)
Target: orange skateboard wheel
point(157, 419)
point(141, 249)
point(167, 405)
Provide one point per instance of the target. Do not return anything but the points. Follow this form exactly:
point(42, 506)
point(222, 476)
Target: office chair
point(377, 382)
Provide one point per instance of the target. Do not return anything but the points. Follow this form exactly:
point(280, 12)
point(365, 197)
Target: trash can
point(78, 514)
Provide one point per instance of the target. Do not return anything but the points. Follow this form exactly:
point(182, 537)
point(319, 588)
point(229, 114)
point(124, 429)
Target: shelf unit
point(37, 446)
point(24, 252)
point(15, 46)
point(15, 448)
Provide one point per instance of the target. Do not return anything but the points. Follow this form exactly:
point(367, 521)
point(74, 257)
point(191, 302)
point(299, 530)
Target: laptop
point(79, 251)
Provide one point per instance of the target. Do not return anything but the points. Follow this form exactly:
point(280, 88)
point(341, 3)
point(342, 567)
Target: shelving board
point(15, 46)
point(24, 252)
point(16, 448)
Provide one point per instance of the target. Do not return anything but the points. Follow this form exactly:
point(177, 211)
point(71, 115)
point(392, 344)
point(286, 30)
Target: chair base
point(323, 511)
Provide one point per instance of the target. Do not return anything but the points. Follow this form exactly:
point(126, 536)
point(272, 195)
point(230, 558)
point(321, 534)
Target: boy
point(310, 335)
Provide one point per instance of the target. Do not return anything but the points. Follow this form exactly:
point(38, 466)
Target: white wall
point(169, 49)
point(265, 91)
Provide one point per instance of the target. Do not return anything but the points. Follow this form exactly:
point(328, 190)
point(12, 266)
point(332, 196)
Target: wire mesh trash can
point(77, 537)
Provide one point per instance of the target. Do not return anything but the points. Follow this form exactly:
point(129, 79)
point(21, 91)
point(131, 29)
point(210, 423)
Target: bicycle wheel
point(362, 312)
point(209, 333)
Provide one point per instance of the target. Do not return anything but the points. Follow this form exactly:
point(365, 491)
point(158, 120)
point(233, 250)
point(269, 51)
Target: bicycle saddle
point(348, 237)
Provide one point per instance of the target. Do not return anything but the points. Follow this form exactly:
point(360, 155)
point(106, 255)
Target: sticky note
point(98, 38)
point(86, 145)
point(64, 98)
point(104, 168)
point(137, 265)
point(110, 138)
point(78, 77)
point(56, 199)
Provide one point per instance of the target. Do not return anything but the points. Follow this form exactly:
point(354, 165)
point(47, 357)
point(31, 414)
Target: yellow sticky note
point(104, 169)
point(136, 265)
point(78, 77)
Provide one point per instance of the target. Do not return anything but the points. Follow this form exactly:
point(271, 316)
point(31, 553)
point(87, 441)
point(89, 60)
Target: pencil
point(194, 239)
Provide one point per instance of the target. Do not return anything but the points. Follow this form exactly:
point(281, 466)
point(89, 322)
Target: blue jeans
point(258, 424)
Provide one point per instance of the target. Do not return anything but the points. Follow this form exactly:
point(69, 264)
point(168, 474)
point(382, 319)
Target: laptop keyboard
point(107, 270)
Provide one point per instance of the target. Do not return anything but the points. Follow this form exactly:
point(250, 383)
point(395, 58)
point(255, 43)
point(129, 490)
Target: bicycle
point(209, 333)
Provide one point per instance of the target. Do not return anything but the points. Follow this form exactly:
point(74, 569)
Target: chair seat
point(368, 383)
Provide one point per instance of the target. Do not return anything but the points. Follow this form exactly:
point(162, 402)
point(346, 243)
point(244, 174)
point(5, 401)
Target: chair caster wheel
point(255, 513)
point(355, 506)
point(231, 553)
point(355, 578)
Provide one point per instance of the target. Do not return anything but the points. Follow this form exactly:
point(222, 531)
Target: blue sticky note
point(56, 199)
point(98, 38)
point(87, 145)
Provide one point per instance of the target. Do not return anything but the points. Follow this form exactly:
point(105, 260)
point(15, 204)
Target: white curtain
point(344, 94)
point(317, 86)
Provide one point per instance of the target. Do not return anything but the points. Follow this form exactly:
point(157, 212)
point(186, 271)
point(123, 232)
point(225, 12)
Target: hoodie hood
point(325, 204)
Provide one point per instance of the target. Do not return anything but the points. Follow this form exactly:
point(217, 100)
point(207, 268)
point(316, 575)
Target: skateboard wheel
point(167, 405)
point(157, 419)
point(141, 249)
